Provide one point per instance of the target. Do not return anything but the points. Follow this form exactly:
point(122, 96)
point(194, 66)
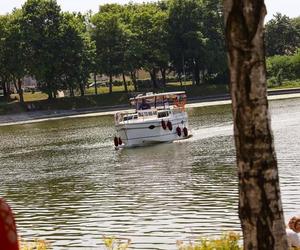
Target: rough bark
point(4, 88)
point(197, 73)
point(81, 88)
point(95, 83)
point(49, 91)
point(153, 78)
point(163, 76)
point(110, 83)
point(133, 78)
point(125, 83)
point(260, 208)
point(18, 86)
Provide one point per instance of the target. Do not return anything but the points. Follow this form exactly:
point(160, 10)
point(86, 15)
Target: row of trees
point(62, 50)
point(41, 41)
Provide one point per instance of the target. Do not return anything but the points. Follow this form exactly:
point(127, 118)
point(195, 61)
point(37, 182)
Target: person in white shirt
point(293, 231)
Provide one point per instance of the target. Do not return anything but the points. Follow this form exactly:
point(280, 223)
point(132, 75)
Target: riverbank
point(45, 115)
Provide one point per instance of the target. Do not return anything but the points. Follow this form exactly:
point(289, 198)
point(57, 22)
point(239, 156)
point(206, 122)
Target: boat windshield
point(163, 100)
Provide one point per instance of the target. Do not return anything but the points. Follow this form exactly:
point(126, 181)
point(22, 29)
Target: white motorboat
point(157, 118)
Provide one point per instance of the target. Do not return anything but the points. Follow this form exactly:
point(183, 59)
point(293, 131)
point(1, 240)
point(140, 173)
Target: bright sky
point(290, 8)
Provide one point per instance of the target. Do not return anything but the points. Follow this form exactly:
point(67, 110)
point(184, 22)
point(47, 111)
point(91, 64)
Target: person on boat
point(144, 105)
point(8, 231)
point(293, 231)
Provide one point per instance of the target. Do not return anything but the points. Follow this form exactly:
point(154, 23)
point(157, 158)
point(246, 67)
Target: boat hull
point(141, 133)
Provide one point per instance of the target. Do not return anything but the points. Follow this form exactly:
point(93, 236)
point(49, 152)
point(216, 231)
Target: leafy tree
point(75, 55)
point(260, 207)
point(13, 52)
point(41, 28)
point(149, 27)
point(108, 36)
point(281, 36)
point(214, 61)
point(196, 38)
point(4, 74)
point(183, 24)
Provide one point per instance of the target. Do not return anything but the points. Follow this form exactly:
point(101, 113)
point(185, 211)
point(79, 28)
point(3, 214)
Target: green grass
point(29, 97)
point(286, 85)
point(105, 90)
point(118, 96)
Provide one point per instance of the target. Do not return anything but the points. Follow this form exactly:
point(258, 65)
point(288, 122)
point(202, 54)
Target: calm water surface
point(68, 185)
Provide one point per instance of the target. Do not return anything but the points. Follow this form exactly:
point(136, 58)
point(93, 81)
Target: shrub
point(36, 245)
point(113, 243)
point(227, 241)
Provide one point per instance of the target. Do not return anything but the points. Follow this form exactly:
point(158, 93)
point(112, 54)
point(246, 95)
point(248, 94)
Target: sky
point(290, 8)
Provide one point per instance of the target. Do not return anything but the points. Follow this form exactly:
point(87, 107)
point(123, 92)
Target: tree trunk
point(49, 91)
point(81, 87)
point(133, 78)
point(153, 78)
point(19, 89)
point(110, 83)
point(125, 84)
point(71, 91)
point(5, 90)
point(260, 208)
point(163, 76)
point(95, 82)
point(197, 73)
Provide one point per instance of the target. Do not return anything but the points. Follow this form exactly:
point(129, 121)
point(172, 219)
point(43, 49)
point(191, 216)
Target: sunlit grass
point(35, 245)
point(29, 96)
point(105, 90)
point(287, 84)
point(113, 243)
point(228, 241)
point(191, 90)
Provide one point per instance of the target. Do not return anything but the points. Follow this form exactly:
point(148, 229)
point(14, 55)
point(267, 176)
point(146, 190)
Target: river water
point(67, 184)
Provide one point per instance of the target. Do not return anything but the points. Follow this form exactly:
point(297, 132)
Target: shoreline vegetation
point(227, 241)
point(38, 101)
point(77, 111)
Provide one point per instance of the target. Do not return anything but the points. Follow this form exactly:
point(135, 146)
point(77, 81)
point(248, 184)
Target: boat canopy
point(161, 99)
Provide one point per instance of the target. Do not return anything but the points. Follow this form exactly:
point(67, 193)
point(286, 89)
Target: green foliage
point(61, 50)
point(228, 241)
point(282, 35)
point(196, 38)
point(113, 243)
point(36, 245)
point(282, 68)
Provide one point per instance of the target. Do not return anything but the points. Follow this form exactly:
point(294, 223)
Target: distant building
point(29, 82)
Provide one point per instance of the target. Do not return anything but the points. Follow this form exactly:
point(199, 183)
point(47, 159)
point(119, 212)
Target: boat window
point(127, 118)
point(163, 114)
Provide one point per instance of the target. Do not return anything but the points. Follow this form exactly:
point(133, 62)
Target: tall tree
point(108, 37)
point(282, 35)
point(75, 63)
point(13, 52)
point(260, 208)
point(4, 74)
point(149, 26)
point(41, 27)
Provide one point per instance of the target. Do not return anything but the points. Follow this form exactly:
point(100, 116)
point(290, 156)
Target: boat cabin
point(153, 106)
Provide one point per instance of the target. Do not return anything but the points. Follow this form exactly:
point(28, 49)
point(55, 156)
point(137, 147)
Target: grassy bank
point(39, 101)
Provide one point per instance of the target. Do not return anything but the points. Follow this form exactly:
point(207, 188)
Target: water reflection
point(67, 184)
